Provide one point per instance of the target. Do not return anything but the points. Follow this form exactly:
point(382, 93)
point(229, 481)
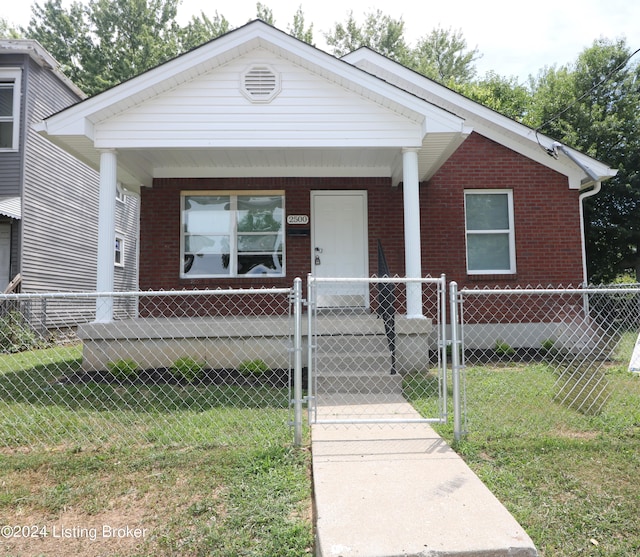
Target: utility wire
point(551, 151)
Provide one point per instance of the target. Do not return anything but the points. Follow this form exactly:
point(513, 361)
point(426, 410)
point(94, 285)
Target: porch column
point(412, 251)
point(106, 233)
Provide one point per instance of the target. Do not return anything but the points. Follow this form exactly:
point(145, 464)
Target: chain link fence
point(174, 368)
point(367, 359)
point(549, 358)
point(218, 367)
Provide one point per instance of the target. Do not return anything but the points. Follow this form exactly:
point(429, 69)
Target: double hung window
point(490, 232)
point(9, 108)
point(232, 234)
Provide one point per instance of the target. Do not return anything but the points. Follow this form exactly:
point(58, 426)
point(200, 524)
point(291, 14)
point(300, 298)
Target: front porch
point(346, 343)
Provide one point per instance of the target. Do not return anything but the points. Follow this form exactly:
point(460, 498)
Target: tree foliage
point(8, 31)
point(298, 30)
point(443, 56)
point(594, 106)
point(379, 32)
point(502, 94)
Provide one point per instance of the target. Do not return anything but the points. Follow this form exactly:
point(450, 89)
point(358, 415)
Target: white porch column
point(412, 253)
point(106, 233)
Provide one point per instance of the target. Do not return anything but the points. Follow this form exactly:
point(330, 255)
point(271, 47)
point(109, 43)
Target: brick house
point(260, 158)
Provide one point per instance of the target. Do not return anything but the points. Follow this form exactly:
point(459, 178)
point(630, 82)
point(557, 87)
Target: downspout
point(591, 186)
point(584, 195)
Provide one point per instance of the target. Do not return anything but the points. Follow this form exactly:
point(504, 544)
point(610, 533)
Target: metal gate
point(371, 363)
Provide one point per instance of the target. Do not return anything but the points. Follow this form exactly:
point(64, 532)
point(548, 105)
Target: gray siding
point(60, 206)
point(11, 162)
point(54, 246)
point(60, 201)
point(127, 222)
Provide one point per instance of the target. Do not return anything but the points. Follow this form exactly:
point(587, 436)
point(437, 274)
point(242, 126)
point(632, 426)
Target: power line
point(551, 151)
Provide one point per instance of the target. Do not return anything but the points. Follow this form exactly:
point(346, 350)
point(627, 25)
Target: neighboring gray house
point(49, 199)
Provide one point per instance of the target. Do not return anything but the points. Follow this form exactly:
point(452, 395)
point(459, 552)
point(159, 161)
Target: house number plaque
point(298, 219)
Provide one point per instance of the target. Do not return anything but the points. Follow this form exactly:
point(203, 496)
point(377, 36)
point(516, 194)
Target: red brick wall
point(548, 248)
point(546, 216)
point(160, 227)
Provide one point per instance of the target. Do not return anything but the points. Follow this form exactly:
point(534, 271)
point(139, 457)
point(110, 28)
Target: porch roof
point(188, 118)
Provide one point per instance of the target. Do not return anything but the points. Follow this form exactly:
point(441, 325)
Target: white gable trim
point(485, 121)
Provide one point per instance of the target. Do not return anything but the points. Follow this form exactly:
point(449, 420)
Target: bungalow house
point(260, 158)
point(48, 198)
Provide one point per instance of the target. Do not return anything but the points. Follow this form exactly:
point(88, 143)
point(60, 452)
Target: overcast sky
point(515, 38)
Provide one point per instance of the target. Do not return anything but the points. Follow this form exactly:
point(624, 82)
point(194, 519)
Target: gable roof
point(581, 170)
point(333, 117)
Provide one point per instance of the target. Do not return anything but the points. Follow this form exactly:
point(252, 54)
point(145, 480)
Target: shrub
point(123, 369)
point(548, 346)
point(253, 367)
point(186, 368)
point(503, 349)
point(16, 335)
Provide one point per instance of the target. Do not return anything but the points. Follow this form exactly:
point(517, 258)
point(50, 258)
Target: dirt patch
point(122, 530)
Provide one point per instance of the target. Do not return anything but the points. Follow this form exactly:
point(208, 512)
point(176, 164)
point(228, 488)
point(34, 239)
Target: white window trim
point(120, 193)
point(15, 75)
point(119, 237)
point(511, 233)
point(234, 234)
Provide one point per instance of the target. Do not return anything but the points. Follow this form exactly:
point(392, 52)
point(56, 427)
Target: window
point(118, 257)
point(490, 232)
point(9, 108)
point(228, 234)
point(120, 195)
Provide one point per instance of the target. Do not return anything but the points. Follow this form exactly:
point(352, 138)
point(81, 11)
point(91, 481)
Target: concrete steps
point(355, 364)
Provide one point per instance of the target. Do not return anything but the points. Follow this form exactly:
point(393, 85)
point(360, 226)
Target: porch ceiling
point(138, 166)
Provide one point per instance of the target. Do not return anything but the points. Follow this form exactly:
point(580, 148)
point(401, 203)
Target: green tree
point(202, 29)
point(594, 106)
point(379, 32)
point(298, 30)
point(107, 41)
point(443, 56)
point(8, 31)
point(65, 35)
point(502, 94)
point(265, 13)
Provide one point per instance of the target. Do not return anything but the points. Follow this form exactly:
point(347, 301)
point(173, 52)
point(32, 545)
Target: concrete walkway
point(399, 490)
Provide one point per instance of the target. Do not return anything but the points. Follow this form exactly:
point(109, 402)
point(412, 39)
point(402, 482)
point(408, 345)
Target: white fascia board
point(485, 121)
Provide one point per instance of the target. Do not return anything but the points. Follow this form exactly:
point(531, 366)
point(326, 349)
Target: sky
point(515, 38)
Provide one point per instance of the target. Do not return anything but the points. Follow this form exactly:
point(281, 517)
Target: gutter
point(592, 177)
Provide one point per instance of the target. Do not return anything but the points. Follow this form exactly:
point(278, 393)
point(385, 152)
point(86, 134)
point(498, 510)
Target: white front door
point(340, 246)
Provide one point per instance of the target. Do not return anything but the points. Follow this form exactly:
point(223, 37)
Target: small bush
point(16, 335)
point(250, 368)
point(548, 346)
point(123, 369)
point(187, 369)
point(503, 349)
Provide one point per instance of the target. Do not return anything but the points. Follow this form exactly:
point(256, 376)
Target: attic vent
point(260, 83)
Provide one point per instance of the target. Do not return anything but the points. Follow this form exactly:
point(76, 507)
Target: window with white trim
point(120, 195)
point(9, 108)
point(118, 255)
point(490, 232)
point(232, 234)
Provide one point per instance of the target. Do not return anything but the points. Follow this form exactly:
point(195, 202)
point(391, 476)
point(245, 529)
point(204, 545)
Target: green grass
point(211, 471)
point(202, 470)
point(569, 477)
